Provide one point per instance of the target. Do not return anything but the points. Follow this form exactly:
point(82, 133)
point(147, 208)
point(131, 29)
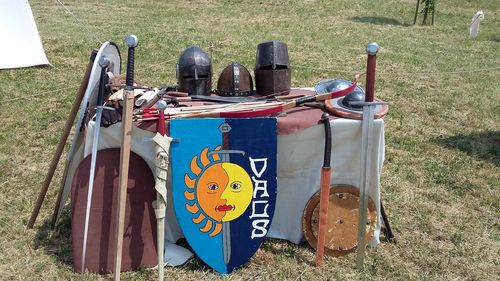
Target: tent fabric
point(22, 46)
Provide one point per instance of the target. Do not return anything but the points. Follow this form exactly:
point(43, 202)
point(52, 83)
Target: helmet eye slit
point(194, 70)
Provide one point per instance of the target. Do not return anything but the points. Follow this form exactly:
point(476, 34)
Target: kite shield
point(224, 186)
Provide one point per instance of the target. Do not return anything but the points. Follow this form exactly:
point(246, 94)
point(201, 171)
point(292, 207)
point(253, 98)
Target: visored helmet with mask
point(194, 72)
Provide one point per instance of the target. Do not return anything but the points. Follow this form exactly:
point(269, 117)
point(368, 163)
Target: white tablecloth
point(300, 157)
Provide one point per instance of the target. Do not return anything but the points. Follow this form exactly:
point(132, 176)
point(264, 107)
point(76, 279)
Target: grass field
point(441, 178)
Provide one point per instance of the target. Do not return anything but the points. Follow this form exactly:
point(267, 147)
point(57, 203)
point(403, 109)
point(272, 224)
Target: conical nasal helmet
point(235, 81)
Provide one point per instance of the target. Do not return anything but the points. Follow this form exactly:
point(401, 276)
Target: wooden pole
point(416, 12)
point(62, 142)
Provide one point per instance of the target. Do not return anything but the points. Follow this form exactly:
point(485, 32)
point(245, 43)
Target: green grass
point(441, 178)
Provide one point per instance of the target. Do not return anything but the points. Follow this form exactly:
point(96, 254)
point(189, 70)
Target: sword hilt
point(371, 50)
point(103, 63)
point(131, 41)
point(161, 105)
point(328, 139)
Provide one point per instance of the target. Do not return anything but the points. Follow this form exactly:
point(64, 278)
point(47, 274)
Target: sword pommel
point(103, 62)
point(372, 48)
point(131, 41)
point(161, 105)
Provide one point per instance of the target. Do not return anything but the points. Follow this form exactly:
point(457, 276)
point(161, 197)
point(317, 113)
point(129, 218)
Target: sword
point(162, 147)
point(131, 41)
point(225, 157)
point(103, 63)
point(324, 191)
point(366, 148)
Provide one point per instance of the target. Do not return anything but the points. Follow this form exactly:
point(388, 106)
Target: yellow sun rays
point(189, 194)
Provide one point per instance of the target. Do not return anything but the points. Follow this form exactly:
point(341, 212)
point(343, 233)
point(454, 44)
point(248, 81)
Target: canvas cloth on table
point(300, 157)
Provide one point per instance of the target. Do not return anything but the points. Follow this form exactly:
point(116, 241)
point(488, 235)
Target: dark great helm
point(235, 81)
point(272, 68)
point(194, 72)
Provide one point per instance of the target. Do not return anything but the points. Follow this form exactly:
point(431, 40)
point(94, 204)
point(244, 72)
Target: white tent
point(21, 45)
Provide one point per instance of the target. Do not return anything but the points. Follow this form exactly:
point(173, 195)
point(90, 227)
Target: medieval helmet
point(272, 68)
point(194, 72)
point(331, 85)
point(235, 80)
point(358, 94)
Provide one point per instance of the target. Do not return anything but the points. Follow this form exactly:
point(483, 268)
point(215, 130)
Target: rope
point(215, 50)
point(86, 26)
point(460, 71)
point(349, 72)
point(39, 94)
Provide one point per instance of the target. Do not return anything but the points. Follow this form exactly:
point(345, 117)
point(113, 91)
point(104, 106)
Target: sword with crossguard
point(103, 63)
point(128, 97)
point(161, 148)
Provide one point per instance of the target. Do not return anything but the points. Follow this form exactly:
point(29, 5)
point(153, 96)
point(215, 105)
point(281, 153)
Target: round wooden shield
point(336, 107)
point(139, 241)
point(342, 224)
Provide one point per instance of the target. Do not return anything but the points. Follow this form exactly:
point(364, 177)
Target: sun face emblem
point(218, 192)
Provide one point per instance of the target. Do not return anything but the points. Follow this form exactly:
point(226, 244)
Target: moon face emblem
point(218, 192)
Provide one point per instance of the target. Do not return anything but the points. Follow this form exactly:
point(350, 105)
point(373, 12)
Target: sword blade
point(226, 241)
point(90, 189)
point(366, 148)
point(160, 234)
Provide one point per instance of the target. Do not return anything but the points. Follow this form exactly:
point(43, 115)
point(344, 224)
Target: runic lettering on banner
point(259, 207)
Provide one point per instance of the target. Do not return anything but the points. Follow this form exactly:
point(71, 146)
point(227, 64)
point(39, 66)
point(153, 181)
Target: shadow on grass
point(378, 20)
point(495, 38)
point(482, 145)
point(56, 243)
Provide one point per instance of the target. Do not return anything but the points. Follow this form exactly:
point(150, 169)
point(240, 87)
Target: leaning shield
point(87, 107)
point(224, 186)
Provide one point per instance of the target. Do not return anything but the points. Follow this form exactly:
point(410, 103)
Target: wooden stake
point(62, 143)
